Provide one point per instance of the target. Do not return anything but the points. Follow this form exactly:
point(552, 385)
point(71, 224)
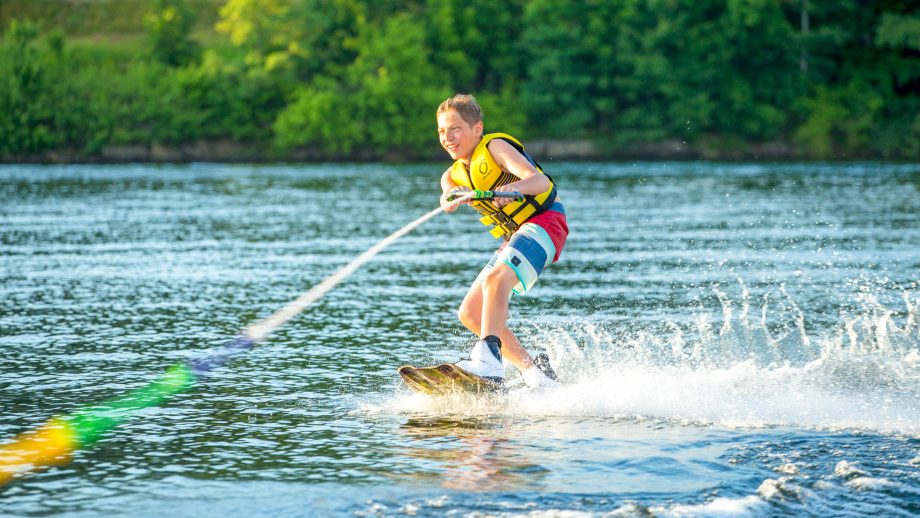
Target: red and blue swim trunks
point(534, 246)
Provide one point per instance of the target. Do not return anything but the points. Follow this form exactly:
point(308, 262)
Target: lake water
point(734, 339)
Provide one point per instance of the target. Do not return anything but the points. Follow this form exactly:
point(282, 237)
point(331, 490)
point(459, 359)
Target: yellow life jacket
point(485, 174)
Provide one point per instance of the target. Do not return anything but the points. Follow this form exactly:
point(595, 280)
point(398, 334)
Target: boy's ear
point(478, 128)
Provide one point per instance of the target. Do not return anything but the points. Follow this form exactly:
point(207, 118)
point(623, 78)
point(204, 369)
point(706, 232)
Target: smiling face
point(457, 137)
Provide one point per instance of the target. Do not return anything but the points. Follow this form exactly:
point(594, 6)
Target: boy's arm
point(448, 186)
point(511, 160)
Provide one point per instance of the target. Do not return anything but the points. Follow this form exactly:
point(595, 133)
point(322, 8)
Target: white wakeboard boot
point(486, 360)
point(540, 374)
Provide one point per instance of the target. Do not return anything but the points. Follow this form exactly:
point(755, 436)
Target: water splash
point(862, 374)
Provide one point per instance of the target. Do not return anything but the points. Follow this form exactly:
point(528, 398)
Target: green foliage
point(897, 135)
point(151, 102)
point(899, 31)
point(384, 100)
point(257, 25)
point(83, 98)
point(356, 78)
point(560, 65)
point(97, 17)
point(476, 43)
point(24, 118)
point(43, 101)
point(169, 25)
point(502, 114)
point(839, 119)
point(622, 67)
point(298, 38)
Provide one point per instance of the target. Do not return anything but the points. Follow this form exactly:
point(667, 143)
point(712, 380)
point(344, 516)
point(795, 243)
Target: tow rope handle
point(479, 194)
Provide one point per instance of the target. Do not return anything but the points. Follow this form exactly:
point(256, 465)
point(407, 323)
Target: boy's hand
point(501, 202)
point(450, 206)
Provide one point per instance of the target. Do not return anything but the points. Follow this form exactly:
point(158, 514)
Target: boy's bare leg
point(487, 302)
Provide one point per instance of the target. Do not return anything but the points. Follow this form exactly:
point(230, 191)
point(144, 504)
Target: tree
point(169, 24)
point(26, 114)
point(383, 101)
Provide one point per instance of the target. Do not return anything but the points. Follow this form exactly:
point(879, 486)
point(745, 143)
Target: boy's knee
point(501, 277)
point(468, 317)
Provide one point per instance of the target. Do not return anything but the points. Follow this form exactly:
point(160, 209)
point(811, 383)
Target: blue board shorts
point(535, 245)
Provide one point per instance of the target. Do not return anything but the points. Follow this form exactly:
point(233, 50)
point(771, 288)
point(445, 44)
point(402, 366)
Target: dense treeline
point(361, 78)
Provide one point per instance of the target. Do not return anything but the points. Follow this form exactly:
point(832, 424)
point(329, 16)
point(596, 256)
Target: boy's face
point(457, 137)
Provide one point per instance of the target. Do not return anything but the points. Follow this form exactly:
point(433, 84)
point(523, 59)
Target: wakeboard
point(446, 379)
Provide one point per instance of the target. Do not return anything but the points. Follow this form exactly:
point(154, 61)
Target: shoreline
point(230, 151)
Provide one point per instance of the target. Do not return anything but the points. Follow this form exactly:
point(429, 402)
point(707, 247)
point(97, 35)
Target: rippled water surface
point(733, 339)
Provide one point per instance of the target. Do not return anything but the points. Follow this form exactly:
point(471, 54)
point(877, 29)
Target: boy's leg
point(472, 314)
point(496, 292)
point(514, 268)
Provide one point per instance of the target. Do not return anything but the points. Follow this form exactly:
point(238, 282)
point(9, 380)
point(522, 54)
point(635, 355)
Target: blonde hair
point(465, 106)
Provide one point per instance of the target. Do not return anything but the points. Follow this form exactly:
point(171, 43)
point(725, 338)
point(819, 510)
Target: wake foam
point(733, 371)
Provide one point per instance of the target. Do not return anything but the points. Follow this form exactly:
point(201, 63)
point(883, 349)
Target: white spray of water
point(864, 375)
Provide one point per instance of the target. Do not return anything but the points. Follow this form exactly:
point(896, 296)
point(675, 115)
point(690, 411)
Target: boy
point(533, 227)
